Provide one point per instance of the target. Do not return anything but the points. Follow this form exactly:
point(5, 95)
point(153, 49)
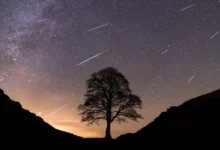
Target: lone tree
point(109, 98)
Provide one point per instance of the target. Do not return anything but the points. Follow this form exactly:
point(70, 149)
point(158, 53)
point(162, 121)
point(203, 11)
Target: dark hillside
point(194, 123)
point(20, 128)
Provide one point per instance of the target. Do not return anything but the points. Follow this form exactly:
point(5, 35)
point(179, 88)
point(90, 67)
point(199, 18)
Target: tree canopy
point(109, 98)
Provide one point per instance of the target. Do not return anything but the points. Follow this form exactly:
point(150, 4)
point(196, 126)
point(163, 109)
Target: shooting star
point(3, 76)
point(164, 52)
point(2, 79)
point(101, 26)
point(90, 58)
point(56, 110)
point(215, 34)
point(42, 20)
point(191, 78)
point(187, 7)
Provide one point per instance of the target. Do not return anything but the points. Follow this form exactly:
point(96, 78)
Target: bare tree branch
point(109, 98)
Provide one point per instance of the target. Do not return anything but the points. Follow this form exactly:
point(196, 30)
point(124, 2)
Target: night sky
point(167, 49)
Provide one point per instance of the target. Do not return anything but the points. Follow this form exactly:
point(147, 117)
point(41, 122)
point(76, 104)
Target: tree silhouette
point(109, 98)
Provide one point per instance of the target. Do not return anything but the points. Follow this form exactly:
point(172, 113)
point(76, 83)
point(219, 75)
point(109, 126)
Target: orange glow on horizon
point(68, 119)
point(77, 131)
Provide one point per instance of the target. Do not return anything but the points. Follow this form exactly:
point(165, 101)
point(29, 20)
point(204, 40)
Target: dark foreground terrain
point(194, 124)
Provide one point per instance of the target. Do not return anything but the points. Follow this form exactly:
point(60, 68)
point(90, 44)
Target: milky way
point(168, 50)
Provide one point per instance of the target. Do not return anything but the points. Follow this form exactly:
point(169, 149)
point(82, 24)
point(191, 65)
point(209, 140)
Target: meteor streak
point(90, 58)
point(187, 7)
point(56, 110)
point(101, 26)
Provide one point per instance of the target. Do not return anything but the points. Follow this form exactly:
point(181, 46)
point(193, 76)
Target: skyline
point(167, 50)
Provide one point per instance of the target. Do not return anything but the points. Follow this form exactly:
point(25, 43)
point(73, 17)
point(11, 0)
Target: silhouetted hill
point(21, 129)
point(194, 123)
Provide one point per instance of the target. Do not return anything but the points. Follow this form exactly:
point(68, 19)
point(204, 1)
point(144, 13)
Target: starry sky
point(167, 49)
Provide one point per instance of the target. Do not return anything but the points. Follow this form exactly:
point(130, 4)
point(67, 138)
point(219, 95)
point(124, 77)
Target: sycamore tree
point(109, 98)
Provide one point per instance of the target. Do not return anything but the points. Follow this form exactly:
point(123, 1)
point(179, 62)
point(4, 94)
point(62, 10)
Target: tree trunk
point(108, 130)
